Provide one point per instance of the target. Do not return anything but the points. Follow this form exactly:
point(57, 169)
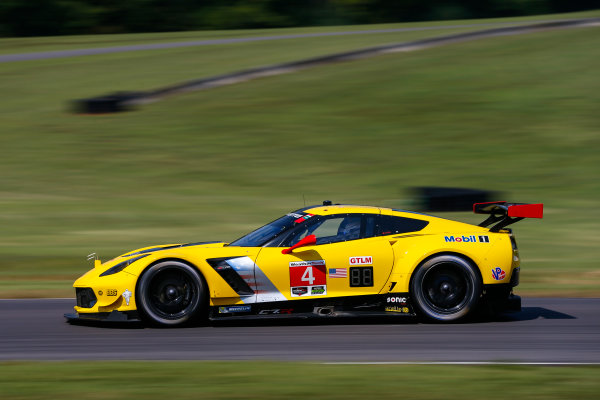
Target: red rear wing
point(507, 213)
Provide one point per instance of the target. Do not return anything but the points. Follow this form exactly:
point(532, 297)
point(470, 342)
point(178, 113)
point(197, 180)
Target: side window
point(390, 225)
point(370, 225)
point(337, 228)
point(344, 228)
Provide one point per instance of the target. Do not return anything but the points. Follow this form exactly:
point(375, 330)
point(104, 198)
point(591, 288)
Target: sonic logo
point(401, 300)
point(498, 273)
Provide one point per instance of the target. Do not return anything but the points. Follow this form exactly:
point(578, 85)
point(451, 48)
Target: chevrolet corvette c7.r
point(319, 261)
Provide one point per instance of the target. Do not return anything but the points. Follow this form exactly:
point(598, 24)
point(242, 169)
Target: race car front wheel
point(171, 293)
point(445, 288)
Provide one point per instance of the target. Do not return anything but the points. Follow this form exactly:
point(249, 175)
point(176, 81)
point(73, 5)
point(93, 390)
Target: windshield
point(268, 232)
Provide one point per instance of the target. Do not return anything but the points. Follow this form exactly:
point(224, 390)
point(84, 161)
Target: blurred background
point(516, 115)
point(69, 17)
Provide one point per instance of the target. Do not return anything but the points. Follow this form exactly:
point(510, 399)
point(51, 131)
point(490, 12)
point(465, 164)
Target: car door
point(347, 259)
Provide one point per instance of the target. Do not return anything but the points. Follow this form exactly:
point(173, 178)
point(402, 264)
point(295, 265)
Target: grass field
point(514, 114)
point(267, 380)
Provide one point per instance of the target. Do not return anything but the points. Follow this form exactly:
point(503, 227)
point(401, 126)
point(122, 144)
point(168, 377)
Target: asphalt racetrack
point(545, 331)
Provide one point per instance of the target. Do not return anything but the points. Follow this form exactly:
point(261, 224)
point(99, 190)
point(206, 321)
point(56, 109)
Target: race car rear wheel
point(445, 288)
point(171, 293)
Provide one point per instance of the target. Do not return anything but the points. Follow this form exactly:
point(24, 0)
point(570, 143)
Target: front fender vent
point(230, 269)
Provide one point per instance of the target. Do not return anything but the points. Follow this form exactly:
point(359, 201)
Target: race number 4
point(308, 276)
point(307, 273)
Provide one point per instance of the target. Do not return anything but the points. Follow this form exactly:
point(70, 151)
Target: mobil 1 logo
point(467, 239)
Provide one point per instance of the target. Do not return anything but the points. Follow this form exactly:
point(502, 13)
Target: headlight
point(121, 266)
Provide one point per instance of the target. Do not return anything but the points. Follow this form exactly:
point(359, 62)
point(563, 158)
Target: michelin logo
point(467, 239)
point(234, 309)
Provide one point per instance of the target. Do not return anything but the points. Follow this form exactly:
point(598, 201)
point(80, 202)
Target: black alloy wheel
point(446, 288)
point(171, 293)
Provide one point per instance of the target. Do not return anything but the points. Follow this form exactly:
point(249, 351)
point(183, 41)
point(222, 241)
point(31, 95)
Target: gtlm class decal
point(361, 260)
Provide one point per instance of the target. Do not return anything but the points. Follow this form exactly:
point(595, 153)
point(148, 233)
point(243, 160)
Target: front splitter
point(113, 316)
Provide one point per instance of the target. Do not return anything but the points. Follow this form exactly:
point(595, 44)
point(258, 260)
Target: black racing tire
point(445, 288)
point(171, 293)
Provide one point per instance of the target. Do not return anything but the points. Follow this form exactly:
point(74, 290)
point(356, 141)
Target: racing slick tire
point(171, 293)
point(445, 288)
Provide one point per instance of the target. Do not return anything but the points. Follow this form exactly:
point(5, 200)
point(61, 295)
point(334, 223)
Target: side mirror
point(307, 241)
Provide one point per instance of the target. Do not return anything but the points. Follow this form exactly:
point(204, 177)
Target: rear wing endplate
point(503, 214)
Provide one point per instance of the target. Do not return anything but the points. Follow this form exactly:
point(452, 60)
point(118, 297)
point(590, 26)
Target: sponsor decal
point(364, 260)
point(277, 311)
point(317, 290)
point(306, 263)
point(100, 292)
point(234, 309)
point(498, 274)
point(306, 275)
point(338, 272)
point(294, 215)
point(467, 239)
point(127, 295)
point(299, 291)
point(396, 299)
point(396, 309)
point(111, 292)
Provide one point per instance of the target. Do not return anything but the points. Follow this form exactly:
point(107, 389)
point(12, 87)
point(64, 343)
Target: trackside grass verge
point(513, 114)
point(269, 380)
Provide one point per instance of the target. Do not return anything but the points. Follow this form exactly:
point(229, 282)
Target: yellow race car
point(319, 261)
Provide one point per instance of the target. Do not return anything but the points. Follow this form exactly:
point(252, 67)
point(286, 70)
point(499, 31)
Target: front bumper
point(102, 295)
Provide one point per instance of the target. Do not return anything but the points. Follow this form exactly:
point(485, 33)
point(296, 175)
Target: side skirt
point(391, 304)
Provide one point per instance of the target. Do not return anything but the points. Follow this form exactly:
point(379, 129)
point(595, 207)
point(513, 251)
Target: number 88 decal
point(361, 276)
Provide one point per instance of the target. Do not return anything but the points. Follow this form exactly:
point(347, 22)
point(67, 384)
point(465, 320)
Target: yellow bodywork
point(393, 258)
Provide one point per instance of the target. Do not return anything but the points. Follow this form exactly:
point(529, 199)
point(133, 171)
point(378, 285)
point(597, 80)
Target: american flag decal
point(338, 272)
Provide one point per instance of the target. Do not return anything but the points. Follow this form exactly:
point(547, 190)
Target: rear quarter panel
point(411, 250)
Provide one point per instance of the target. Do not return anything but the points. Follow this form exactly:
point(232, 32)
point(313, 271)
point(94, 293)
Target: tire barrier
point(432, 198)
point(112, 103)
